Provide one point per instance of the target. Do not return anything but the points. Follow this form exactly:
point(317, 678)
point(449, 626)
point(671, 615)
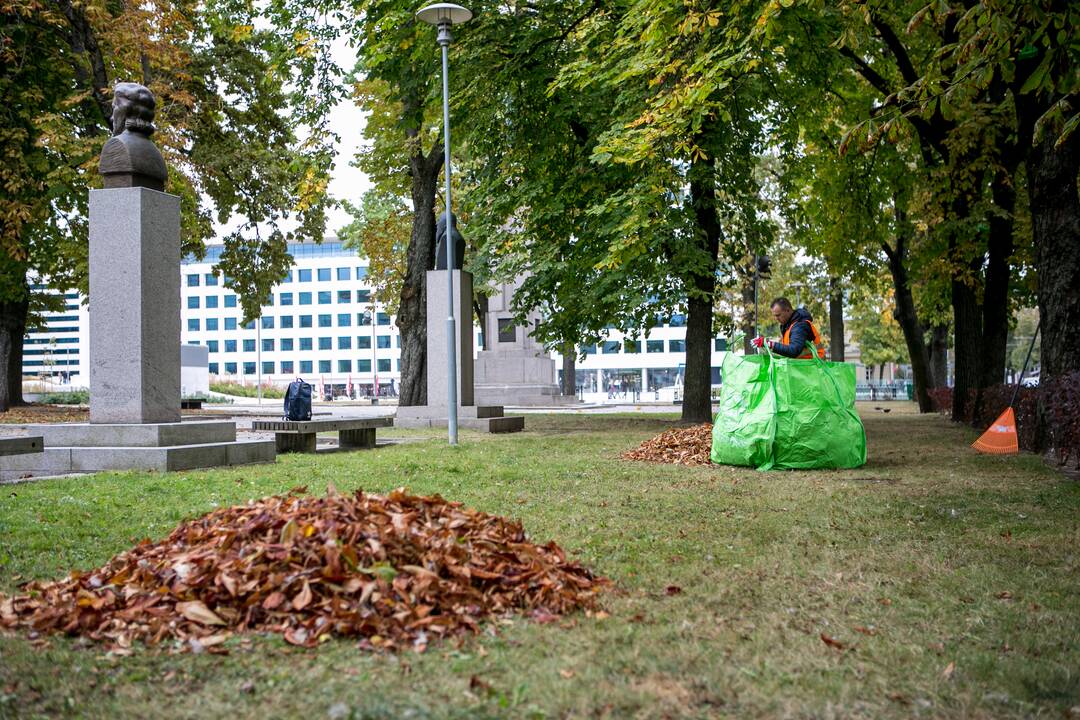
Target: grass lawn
point(932, 582)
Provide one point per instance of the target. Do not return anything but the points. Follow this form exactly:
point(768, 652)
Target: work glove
point(759, 341)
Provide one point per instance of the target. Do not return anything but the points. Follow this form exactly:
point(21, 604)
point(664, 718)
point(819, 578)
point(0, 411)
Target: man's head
point(782, 310)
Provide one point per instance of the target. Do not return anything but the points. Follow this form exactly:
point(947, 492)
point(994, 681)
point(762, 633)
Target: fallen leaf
point(303, 598)
point(567, 674)
point(273, 600)
point(673, 590)
point(478, 684)
point(1004, 595)
point(196, 611)
point(865, 630)
point(833, 642)
point(949, 670)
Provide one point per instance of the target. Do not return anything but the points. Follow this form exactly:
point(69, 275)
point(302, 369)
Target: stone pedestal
point(435, 413)
point(437, 313)
point(515, 369)
point(134, 306)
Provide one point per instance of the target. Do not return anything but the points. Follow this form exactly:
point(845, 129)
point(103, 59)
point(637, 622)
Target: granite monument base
point(85, 448)
point(485, 418)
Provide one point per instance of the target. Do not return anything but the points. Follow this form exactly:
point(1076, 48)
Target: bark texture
point(412, 309)
point(12, 330)
point(697, 383)
point(836, 320)
point(908, 319)
point(1055, 215)
point(569, 372)
point(939, 355)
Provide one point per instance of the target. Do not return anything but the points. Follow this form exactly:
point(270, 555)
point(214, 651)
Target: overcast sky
point(346, 182)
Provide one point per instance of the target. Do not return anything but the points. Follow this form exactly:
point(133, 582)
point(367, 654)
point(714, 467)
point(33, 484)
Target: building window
point(230, 368)
point(211, 301)
point(325, 321)
point(305, 367)
point(305, 298)
point(286, 367)
point(363, 295)
point(363, 366)
point(305, 343)
point(678, 320)
point(230, 323)
point(324, 366)
point(324, 297)
point(193, 324)
point(631, 346)
point(587, 349)
point(343, 273)
point(383, 319)
point(304, 275)
point(230, 301)
point(383, 342)
point(249, 325)
point(193, 280)
point(720, 344)
point(384, 365)
point(213, 368)
point(507, 330)
point(344, 343)
point(269, 300)
point(249, 345)
point(611, 347)
point(249, 368)
point(676, 346)
point(268, 367)
point(305, 321)
point(267, 322)
point(363, 318)
point(212, 346)
point(230, 346)
point(344, 319)
point(324, 274)
point(326, 343)
point(344, 366)
point(344, 296)
point(193, 302)
point(286, 321)
point(361, 273)
point(285, 298)
point(657, 378)
point(654, 346)
point(210, 279)
point(363, 342)
point(287, 278)
point(286, 344)
point(268, 345)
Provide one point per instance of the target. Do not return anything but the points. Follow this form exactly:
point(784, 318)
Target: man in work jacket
point(798, 330)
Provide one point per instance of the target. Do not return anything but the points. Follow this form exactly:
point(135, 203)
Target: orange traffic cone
point(1000, 438)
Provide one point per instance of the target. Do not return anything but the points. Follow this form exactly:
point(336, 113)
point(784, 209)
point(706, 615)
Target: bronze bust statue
point(440, 243)
point(129, 158)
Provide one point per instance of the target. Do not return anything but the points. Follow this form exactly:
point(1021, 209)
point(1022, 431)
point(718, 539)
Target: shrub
point(231, 388)
point(1056, 433)
point(68, 397)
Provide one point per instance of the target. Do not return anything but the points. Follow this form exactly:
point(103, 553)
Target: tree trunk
point(748, 313)
point(569, 374)
point(908, 320)
point(1055, 219)
point(836, 320)
point(697, 383)
point(939, 355)
point(967, 349)
point(995, 319)
point(412, 309)
point(12, 330)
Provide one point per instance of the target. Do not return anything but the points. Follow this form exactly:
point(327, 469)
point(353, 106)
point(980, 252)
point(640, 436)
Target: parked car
point(1030, 382)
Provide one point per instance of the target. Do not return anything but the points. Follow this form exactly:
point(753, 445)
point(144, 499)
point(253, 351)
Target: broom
point(1000, 438)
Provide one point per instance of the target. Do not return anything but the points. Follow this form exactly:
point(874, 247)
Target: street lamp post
point(443, 16)
point(374, 360)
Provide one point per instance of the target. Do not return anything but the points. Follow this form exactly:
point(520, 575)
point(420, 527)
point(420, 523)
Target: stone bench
point(21, 445)
point(299, 435)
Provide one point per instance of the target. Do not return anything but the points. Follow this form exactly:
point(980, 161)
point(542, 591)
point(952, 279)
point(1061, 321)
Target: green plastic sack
point(782, 413)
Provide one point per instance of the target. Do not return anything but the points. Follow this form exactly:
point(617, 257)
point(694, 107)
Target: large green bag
point(782, 413)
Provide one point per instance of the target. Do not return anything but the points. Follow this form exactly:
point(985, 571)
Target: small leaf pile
point(686, 446)
point(394, 571)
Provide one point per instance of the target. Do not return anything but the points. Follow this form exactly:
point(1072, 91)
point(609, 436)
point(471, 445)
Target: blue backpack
point(298, 400)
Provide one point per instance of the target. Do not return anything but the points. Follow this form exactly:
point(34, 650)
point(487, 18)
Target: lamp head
point(444, 14)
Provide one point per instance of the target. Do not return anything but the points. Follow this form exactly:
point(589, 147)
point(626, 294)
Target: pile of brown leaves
point(393, 570)
point(687, 446)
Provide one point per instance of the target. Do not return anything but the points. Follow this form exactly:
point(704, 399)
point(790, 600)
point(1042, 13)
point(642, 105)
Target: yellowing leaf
point(196, 611)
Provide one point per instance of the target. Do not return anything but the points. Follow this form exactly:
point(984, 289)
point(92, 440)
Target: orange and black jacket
point(798, 331)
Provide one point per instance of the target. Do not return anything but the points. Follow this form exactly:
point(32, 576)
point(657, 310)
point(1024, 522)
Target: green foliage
point(249, 391)
point(381, 229)
point(70, 397)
